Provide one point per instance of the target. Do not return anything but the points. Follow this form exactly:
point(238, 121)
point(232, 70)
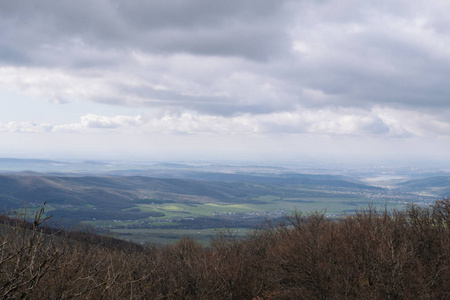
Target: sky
point(225, 80)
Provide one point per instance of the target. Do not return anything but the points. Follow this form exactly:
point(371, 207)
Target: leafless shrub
point(369, 255)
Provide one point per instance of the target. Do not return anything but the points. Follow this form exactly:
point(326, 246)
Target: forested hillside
point(368, 255)
point(137, 207)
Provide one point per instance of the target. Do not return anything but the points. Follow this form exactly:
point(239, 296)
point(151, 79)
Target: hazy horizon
point(306, 164)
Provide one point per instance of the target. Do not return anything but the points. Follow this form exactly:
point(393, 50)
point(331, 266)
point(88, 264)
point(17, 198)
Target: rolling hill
point(438, 186)
point(81, 198)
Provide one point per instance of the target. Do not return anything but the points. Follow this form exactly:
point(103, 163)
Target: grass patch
point(267, 198)
point(169, 236)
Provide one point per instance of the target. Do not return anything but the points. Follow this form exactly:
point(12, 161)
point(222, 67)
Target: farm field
point(186, 201)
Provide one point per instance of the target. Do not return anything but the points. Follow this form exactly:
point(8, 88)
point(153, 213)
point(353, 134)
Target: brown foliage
point(369, 255)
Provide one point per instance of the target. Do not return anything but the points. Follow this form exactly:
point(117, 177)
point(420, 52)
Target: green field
point(145, 209)
point(179, 219)
point(163, 236)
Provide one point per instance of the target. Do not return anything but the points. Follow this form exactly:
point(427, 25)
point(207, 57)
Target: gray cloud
point(236, 58)
point(382, 53)
point(231, 28)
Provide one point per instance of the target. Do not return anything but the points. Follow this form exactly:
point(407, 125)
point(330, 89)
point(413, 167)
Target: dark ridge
point(28, 161)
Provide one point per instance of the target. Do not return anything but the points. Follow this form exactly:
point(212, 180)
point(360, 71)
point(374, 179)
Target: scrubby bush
point(368, 255)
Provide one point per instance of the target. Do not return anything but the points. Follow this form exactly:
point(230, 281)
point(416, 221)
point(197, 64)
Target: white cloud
point(414, 123)
point(325, 68)
point(57, 85)
point(96, 122)
point(381, 122)
point(25, 127)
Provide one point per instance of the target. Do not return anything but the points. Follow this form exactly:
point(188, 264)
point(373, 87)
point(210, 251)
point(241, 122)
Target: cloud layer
point(325, 122)
point(349, 68)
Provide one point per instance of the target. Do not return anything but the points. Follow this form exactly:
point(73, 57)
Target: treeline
point(368, 255)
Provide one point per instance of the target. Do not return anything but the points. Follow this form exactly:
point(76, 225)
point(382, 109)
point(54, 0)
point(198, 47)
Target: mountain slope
point(437, 185)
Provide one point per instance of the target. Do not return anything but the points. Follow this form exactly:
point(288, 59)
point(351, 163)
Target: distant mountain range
point(17, 161)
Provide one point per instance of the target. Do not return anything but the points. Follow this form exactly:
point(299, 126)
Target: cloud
point(94, 122)
point(370, 55)
point(25, 127)
point(316, 67)
point(407, 123)
point(232, 28)
point(380, 122)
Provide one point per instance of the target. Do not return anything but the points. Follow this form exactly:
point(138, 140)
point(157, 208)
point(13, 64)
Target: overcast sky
point(235, 79)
